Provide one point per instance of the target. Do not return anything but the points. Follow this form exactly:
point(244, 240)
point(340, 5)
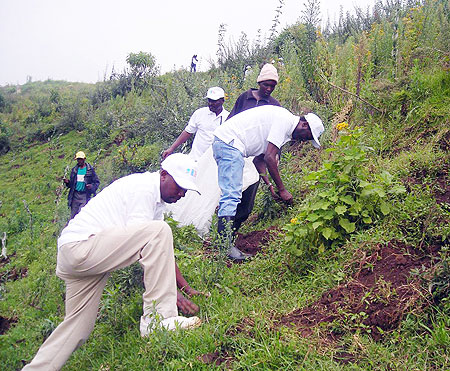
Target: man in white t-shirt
point(121, 225)
point(259, 132)
point(202, 123)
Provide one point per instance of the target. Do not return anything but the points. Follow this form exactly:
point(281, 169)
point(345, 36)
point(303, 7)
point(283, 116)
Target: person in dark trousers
point(83, 184)
point(267, 81)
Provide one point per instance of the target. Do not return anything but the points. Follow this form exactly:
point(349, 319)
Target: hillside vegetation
point(354, 275)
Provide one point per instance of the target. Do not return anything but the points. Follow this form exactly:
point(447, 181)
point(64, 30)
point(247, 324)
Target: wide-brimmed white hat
point(316, 126)
point(183, 169)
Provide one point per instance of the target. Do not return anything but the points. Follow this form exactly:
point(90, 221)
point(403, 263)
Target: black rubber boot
point(225, 234)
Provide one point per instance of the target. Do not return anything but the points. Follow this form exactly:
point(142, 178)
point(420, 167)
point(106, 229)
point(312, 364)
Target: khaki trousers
point(85, 267)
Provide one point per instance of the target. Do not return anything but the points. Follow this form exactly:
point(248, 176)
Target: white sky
point(81, 40)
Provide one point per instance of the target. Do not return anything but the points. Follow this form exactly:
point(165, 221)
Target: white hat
point(183, 169)
point(215, 93)
point(316, 126)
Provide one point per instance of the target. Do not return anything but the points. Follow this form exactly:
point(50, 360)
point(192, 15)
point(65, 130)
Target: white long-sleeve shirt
point(129, 200)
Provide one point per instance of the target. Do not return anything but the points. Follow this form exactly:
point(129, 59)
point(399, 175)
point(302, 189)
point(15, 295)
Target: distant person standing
point(83, 184)
point(194, 61)
point(267, 81)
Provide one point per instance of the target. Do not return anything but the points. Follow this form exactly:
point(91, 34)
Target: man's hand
point(89, 186)
point(186, 306)
point(275, 195)
point(66, 180)
point(286, 196)
point(166, 153)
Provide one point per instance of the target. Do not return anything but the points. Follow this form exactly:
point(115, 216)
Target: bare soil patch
point(12, 274)
point(5, 324)
point(374, 300)
point(252, 243)
point(441, 184)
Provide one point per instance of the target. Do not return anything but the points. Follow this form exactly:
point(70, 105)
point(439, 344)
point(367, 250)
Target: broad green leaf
point(357, 207)
point(326, 232)
point(386, 177)
point(348, 168)
point(367, 192)
point(311, 176)
point(385, 208)
point(347, 199)
point(397, 189)
point(347, 225)
point(341, 209)
point(321, 249)
point(317, 224)
point(380, 192)
point(320, 205)
point(313, 217)
point(367, 220)
point(328, 215)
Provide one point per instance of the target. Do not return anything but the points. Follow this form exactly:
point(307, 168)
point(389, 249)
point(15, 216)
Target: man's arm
point(260, 165)
point(186, 306)
point(270, 158)
point(92, 187)
point(68, 182)
point(183, 137)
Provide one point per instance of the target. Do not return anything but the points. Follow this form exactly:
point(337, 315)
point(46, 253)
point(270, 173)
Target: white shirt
point(129, 200)
point(202, 123)
point(251, 131)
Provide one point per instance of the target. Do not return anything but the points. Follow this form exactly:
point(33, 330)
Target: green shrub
point(132, 158)
point(347, 199)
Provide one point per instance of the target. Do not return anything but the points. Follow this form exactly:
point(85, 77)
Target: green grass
point(240, 317)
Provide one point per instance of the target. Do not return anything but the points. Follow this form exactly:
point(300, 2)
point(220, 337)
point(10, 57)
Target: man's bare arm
point(270, 158)
point(183, 137)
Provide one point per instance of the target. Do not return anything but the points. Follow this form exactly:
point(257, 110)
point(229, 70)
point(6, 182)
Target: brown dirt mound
point(441, 189)
point(374, 300)
point(5, 324)
point(252, 243)
point(220, 357)
point(13, 274)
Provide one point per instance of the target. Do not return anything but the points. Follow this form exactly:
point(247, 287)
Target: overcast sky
point(81, 40)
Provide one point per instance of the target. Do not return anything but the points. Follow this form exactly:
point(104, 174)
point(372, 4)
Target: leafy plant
point(347, 199)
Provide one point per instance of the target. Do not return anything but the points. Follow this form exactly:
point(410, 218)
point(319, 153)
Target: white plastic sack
point(198, 209)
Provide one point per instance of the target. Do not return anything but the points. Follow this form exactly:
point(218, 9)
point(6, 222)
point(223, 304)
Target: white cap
point(215, 93)
point(316, 126)
point(183, 169)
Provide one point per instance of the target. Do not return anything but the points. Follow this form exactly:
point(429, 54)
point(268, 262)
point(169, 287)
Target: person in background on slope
point(202, 123)
point(194, 61)
point(267, 81)
point(259, 132)
point(121, 225)
point(83, 184)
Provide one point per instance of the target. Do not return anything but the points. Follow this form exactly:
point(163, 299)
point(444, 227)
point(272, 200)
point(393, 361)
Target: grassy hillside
point(354, 275)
